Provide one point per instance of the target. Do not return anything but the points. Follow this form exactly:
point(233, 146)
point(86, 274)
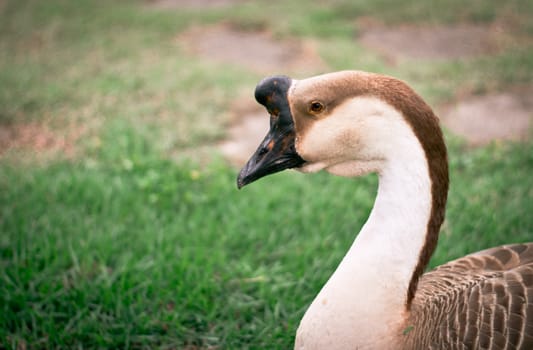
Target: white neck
point(363, 303)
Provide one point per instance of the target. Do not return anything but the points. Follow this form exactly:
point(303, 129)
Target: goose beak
point(277, 151)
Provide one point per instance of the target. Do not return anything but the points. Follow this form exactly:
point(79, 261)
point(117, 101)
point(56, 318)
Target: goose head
point(348, 123)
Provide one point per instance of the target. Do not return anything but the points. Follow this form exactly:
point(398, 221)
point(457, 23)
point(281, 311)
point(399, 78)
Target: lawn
point(122, 236)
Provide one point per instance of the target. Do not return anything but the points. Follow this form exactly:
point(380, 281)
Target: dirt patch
point(257, 50)
point(244, 136)
point(499, 116)
point(431, 43)
point(37, 138)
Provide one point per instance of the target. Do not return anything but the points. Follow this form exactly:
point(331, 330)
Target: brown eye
point(316, 107)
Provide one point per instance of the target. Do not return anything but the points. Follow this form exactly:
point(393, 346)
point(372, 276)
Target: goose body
point(352, 123)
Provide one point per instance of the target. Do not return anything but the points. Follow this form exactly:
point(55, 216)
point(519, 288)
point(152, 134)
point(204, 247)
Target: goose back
point(481, 301)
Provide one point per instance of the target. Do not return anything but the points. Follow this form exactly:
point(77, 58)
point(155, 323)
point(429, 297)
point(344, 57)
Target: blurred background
point(123, 125)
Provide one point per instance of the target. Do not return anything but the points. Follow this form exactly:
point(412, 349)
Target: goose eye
point(316, 107)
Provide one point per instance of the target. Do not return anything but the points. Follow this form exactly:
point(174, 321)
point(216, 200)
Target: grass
point(130, 244)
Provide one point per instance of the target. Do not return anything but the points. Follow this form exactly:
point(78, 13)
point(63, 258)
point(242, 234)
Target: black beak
point(277, 151)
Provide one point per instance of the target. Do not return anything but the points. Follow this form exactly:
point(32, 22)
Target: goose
point(352, 123)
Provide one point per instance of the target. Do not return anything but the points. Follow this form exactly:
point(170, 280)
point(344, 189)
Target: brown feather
point(481, 301)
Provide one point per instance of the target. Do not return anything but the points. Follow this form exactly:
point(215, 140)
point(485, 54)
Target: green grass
point(131, 244)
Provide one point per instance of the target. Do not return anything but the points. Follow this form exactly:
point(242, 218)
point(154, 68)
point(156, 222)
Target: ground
point(256, 50)
point(496, 116)
point(431, 43)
